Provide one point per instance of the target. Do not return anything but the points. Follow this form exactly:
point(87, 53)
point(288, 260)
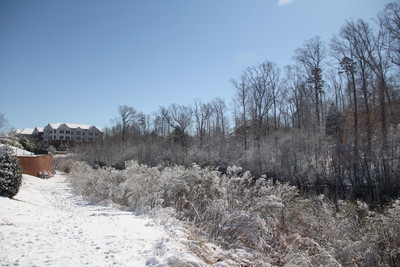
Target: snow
point(25, 131)
point(73, 126)
point(19, 151)
point(40, 129)
point(46, 225)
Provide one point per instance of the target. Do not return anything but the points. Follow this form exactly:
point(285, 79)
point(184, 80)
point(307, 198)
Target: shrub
point(63, 164)
point(27, 144)
point(10, 173)
point(252, 216)
point(13, 143)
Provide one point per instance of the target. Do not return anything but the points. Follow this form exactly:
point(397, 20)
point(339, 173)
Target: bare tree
point(202, 113)
point(351, 46)
point(144, 123)
point(275, 85)
point(295, 82)
point(242, 87)
point(261, 97)
point(349, 67)
point(311, 56)
point(160, 125)
point(3, 122)
point(389, 21)
point(374, 45)
point(335, 82)
point(179, 117)
point(127, 119)
point(221, 122)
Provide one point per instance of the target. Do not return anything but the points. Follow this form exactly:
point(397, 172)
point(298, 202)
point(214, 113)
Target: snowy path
point(51, 227)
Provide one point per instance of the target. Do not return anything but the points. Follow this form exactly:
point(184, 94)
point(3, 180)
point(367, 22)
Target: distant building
point(59, 133)
point(37, 134)
point(26, 132)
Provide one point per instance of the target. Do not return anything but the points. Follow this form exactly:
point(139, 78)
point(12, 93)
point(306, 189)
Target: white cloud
point(245, 57)
point(285, 2)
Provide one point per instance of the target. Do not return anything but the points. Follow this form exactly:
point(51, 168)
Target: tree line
point(328, 124)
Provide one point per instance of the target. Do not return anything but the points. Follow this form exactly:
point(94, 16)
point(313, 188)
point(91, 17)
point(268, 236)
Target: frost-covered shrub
point(63, 164)
point(13, 143)
point(10, 173)
point(191, 190)
point(252, 216)
point(305, 251)
point(245, 229)
point(93, 184)
point(386, 237)
point(140, 186)
point(367, 238)
point(27, 144)
point(137, 186)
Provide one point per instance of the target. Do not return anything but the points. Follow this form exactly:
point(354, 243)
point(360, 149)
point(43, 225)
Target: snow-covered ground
point(19, 151)
point(46, 225)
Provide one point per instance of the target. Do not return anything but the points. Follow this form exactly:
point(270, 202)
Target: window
point(68, 138)
point(61, 131)
point(68, 132)
point(54, 131)
point(61, 137)
point(78, 133)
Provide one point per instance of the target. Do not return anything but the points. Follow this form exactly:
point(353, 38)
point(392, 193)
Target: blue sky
point(76, 61)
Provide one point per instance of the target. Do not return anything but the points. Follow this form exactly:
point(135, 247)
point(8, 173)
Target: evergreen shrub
point(10, 173)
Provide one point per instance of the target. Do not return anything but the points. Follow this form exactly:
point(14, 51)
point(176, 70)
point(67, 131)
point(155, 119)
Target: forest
point(327, 124)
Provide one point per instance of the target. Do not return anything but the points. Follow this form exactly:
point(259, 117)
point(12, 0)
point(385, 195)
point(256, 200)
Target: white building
point(57, 133)
point(26, 132)
point(37, 134)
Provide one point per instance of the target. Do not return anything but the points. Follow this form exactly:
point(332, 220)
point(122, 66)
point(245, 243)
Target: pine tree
point(334, 122)
point(10, 173)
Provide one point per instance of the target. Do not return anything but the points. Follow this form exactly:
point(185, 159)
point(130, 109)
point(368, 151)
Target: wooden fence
point(41, 166)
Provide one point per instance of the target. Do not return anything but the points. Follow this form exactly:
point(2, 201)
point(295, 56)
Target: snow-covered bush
point(386, 237)
point(10, 173)
point(63, 164)
point(91, 183)
point(27, 144)
point(136, 186)
point(365, 237)
point(13, 143)
point(252, 216)
point(140, 186)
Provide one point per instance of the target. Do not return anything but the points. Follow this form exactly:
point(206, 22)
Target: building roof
point(73, 126)
point(39, 129)
point(25, 131)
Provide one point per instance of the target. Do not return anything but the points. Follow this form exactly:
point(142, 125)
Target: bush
point(63, 164)
point(252, 216)
point(13, 143)
point(27, 144)
point(10, 173)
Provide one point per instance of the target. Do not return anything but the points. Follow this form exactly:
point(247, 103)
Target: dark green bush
point(10, 173)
